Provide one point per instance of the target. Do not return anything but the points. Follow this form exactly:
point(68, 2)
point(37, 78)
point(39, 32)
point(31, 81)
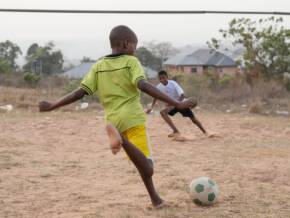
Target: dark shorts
point(185, 112)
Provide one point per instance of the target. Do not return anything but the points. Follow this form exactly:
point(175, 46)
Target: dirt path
point(58, 165)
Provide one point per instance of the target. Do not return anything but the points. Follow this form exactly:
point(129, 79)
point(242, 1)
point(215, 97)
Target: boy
point(117, 79)
point(172, 89)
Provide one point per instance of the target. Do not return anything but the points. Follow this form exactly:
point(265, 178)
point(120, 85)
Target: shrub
point(31, 79)
point(256, 108)
point(5, 67)
point(225, 80)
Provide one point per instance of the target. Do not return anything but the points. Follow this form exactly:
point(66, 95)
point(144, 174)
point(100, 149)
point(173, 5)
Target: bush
point(256, 108)
point(220, 90)
point(225, 80)
point(5, 67)
point(31, 79)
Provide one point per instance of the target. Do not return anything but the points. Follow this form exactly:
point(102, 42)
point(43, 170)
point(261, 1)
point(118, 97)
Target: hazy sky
point(81, 35)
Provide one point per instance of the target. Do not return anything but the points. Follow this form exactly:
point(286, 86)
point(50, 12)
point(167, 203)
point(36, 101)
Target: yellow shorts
point(138, 136)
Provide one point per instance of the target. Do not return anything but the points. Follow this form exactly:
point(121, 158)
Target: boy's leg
point(197, 123)
point(164, 114)
point(115, 138)
point(144, 166)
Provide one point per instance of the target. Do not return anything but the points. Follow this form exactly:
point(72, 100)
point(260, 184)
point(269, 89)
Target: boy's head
point(163, 77)
point(123, 40)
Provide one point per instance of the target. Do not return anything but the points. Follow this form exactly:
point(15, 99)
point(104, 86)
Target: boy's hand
point(44, 106)
point(189, 103)
point(148, 111)
point(69, 98)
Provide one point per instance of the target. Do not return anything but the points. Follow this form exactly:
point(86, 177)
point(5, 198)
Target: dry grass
point(214, 94)
point(211, 93)
point(28, 98)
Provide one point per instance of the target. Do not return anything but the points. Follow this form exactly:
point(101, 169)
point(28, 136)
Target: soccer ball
point(203, 191)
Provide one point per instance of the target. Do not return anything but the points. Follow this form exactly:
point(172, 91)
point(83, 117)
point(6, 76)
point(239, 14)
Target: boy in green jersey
point(117, 79)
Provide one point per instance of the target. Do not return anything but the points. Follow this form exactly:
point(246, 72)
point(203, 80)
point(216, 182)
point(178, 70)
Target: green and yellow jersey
point(114, 79)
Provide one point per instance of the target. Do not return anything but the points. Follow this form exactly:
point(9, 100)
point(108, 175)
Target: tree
point(266, 43)
point(32, 49)
point(44, 59)
point(147, 59)
point(5, 66)
point(163, 50)
point(87, 60)
point(9, 52)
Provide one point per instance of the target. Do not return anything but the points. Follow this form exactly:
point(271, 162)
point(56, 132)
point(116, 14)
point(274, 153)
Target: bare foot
point(179, 138)
point(174, 134)
point(213, 135)
point(160, 205)
point(115, 138)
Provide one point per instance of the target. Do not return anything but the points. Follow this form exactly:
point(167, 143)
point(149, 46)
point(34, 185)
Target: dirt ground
point(58, 165)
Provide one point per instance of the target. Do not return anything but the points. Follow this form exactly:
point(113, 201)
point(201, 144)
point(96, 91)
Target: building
point(202, 61)
point(80, 71)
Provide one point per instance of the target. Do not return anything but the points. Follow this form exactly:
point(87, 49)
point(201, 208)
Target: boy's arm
point(69, 98)
point(180, 91)
point(151, 90)
point(152, 106)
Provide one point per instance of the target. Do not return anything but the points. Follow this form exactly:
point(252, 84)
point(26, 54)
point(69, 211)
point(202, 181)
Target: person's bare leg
point(166, 118)
point(115, 138)
point(198, 124)
point(143, 165)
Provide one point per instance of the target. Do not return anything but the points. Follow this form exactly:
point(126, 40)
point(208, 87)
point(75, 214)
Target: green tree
point(9, 52)
point(46, 59)
point(266, 43)
point(5, 67)
point(147, 59)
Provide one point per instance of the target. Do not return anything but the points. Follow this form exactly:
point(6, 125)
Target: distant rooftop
point(81, 70)
point(202, 57)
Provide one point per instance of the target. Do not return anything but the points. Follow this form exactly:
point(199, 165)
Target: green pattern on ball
point(211, 197)
point(199, 188)
point(211, 183)
point(197, 202)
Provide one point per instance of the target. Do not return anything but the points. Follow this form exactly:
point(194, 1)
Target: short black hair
point(120, 34)
point(162, 72)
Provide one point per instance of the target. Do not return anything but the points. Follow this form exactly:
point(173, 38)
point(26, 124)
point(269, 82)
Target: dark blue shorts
point(185, 112)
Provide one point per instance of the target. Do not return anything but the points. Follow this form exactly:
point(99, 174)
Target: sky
point(79, 35)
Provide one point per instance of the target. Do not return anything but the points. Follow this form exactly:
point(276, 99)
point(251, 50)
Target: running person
point(173, 89)
point(117, 80)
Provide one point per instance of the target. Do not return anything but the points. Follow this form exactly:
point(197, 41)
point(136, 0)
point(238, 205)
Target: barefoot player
point(117, 80)
point(173, 89)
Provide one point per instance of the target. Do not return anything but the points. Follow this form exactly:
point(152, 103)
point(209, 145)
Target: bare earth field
point(59, 165)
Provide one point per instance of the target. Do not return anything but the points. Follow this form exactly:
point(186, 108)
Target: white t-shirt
point(172, 89)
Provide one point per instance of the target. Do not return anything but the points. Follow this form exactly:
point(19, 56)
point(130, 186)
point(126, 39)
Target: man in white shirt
point(174, 90)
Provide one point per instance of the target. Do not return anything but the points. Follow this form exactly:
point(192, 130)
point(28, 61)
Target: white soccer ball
point(203, 191)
